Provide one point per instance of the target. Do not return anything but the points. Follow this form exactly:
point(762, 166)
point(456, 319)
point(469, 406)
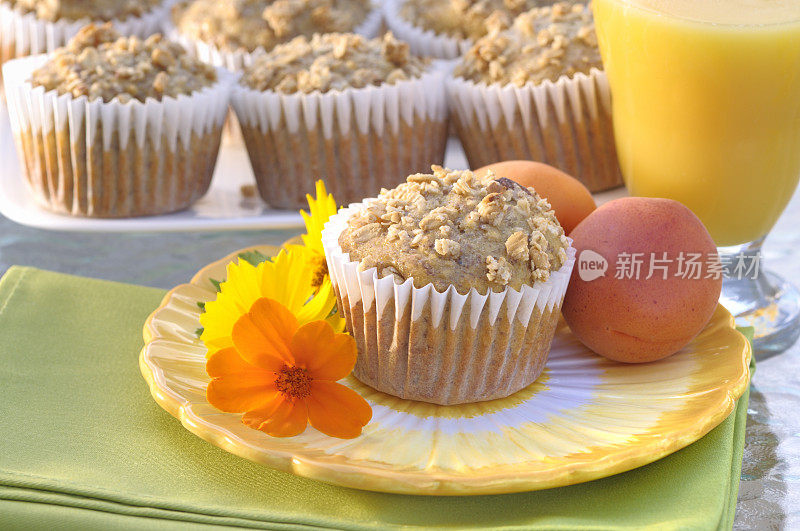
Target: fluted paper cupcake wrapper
point(566, 124)
point(357, 140)
point(422, 42)
point(114, 159)
point(443, 347)
point(23, 34)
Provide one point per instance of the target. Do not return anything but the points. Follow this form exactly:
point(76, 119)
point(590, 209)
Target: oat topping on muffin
point(250, 24)
point(464, 19)
point(99, 63)
point(455, 228)
point(333, 61)
point(103, 10)
point(542, 44)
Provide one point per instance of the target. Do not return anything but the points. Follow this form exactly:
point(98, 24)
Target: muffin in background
point(30, 27)
point(446, 29)
point(542, 44)
point(101, 10)
point(536, 91)
point(359, 113)
point(451, 284)
point(231, 33)
point(112, 126)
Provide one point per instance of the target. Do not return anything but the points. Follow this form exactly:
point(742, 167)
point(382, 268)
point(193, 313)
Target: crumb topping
point(250, 24)
point(465, 19)
point(542, 44)
point(101, 10)
point(333, 61)
point(454, 228)
point(99, 63)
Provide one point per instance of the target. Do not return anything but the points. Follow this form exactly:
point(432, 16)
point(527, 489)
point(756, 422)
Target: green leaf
point(216, 284)
point(747, 331)
point(199, 331)
point(254, 257)
point(202, 306)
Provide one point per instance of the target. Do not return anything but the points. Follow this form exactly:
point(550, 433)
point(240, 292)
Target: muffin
point(230, 33)
point(29, 27)
point(446, 29)
point(112, 126)
point(536, 91)
point(359, 113)
point(451, 284)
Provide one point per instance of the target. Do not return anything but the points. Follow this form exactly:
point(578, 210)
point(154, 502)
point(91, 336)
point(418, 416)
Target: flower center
point(294, 382)
point(320, 272)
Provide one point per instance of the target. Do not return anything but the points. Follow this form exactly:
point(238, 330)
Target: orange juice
point(706, 97)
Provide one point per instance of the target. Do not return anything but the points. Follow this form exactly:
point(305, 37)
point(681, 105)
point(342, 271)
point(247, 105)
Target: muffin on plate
point(112, 126)
point(536, 91)
point(356, 112)
point(231, 33)
point(446, 29)
point(451, 284)
point(30, 27)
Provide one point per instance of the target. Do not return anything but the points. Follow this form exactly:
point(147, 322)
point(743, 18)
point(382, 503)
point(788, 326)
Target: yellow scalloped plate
point(584, 419)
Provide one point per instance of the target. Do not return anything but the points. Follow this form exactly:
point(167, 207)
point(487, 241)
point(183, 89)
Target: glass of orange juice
point(706, 107)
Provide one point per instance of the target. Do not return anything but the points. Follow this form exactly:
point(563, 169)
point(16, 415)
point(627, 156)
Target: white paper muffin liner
point(114, 159)
point(566, 124)
point(23, 34)
point(422, 42)
point(444, 348)
point(357, 140)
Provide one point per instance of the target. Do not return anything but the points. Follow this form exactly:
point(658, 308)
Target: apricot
point(621, 313)
point(570, 199)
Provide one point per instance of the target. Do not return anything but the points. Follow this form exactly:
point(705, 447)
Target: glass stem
point(759, 298)
point(744, 288)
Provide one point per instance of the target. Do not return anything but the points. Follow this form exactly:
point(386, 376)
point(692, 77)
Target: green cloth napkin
point(83, 445)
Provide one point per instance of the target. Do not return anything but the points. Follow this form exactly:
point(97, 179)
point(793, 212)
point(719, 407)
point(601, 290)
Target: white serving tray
point(222, 208)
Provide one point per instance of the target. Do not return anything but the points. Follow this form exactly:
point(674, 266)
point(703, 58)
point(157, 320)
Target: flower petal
point(256, 417)
point(262, 335)
point(321, 209)
point(320, 305)
point(241, 284)
point(335, 317)
point(287, 280)
point(314, 304)
point(227, 361)
point(283, 418)
point(337, 410)
point(337, 322)
point(326, 356)
point(242, 392)
point(218, 319)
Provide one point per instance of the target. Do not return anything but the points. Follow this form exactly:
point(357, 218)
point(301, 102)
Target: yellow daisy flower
point(320, 210)
point(287, 279)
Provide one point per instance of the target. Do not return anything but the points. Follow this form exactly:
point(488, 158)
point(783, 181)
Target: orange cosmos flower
point(283, 376)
